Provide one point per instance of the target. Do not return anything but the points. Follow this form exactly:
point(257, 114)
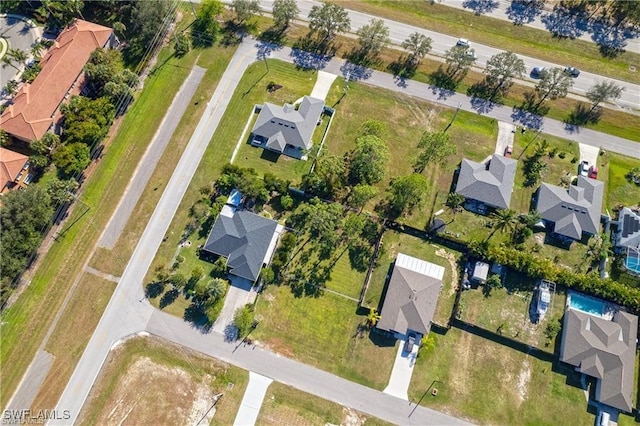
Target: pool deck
point(608, 309)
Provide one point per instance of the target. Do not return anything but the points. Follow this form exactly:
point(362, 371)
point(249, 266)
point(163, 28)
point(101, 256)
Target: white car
point(463, 42)
point(584, 168)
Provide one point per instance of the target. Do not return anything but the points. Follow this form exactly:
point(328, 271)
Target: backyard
point(396, 242)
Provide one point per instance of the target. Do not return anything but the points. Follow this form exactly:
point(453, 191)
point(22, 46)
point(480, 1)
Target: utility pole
point(455, 114)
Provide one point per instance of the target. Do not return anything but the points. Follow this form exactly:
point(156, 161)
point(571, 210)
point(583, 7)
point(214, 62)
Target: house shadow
point(270, 156)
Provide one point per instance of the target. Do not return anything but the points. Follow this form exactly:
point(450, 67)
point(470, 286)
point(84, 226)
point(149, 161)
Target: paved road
point(20, 34)
point(300, 376)
point(147, 165)
point(504, 11)
point(128, 311)
point(398, 32)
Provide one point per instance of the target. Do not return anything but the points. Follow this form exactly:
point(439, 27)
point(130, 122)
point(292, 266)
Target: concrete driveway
point(505, 136)
point(252, 400)
point(589, 153)
point(240, 293)
point(20, 33)
point(323, 84)
point(402, 372)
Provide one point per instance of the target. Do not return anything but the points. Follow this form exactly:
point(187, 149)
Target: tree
point(368, 161)
point(454, 202)
point(373, 318)
point(605, 91)
point(494, 281)
point(46, 144)
point(181, 45)
point(286, 202)
point(373, 127)
point(418, 45)
point(59, 14)
point(244, 319)
point(86, 120)
point(360, 195)
point(284, 11)
point(504, 220)
point(633, 175)
point(329, 20)
point(553, 84)
point(216, 288)
point(406, 193)
point(331, 169)
point(436, 147)
point(373, 37)
point(72, 159)
point(458, 60)
point(245, 9)
point(553, 328)
point(206, 27)
point(61, 191)
point(501, 69)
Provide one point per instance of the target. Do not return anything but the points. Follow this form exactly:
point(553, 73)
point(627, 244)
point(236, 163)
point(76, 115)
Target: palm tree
point(530, 219)
point(36, 50)
point(504, 220)
point(454, 201)
point(216, 288)
point(373, 317)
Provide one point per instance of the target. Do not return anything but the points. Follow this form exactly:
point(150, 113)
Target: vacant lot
point(508, 311)
point(490, 383)
point(396, 242)
point(325, 332)
point(619, 190)
point(151, 381)
point(284, 405)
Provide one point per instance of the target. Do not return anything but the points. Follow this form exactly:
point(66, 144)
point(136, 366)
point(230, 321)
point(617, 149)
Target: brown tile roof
point(34, 106)
point(11, 163)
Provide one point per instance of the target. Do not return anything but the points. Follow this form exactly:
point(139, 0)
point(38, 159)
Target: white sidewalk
point(252, 400)
point(402, 372)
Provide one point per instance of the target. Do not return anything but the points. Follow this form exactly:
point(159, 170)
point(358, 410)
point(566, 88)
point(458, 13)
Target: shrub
point(244, 320)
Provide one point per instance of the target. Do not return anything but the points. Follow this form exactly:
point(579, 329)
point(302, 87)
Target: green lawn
point(503, 34)
point(619, 190)
point(509, 308)
point(284, 405)
point(396, 242)
point(323, 331)
point(489, 383)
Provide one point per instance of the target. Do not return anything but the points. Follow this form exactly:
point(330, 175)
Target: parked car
point(572, 71)
point(593, 172)
point(408, 344)
point(463, 42)
point(583, 170)
point(537, 72)
point(472, 54)
point(508, 151)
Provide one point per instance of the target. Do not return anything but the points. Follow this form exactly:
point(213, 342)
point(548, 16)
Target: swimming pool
point(633, 264)
point(586, 304)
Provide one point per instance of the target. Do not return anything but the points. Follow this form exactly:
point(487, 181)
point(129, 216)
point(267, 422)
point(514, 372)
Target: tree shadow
point(196, 315)
point(442, 83)
point(483, 98)
point(359, 257)
point(403, 69)
point(154, 289)
point(527, 119)
point(168, 298)
point(355, 72)
point(564, 22)
point(581, 116)
point(522, 12)
point(308, 53)
point(610, 40)
point(480, 7)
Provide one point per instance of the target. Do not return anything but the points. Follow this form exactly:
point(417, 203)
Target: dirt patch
point(351, 418)
point(150, 393)
point(454, 270)
point(523, 381)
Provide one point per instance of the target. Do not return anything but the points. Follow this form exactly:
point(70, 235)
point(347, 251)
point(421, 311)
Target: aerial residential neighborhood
point(295, 212)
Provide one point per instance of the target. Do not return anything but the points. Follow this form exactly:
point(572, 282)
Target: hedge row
point(538, 267)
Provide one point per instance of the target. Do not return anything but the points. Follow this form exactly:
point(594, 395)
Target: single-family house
point(603, 349)
point(285, 129)
point(245, 239)
point(14, 170)
point(571, 212)
point(488, 184)
point(626, 238)
point(35, 109)
point(412, 294)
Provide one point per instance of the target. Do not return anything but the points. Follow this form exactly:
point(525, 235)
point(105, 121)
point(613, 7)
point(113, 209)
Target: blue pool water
point(632, 264)
point(586, 304)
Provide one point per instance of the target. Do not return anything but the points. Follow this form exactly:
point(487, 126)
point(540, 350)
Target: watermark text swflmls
point(23, 417)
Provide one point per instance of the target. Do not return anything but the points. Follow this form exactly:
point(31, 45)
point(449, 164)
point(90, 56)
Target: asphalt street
point(20, 35)
point(398, 32)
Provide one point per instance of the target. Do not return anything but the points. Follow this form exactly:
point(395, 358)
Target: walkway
point(402, 371)
point(252, 400)
point(149, 161)
point(323, 85)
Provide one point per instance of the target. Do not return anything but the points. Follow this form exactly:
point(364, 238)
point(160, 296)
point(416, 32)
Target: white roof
point(420, 266)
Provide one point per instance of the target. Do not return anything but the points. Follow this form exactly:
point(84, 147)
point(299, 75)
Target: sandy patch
point(351, 418)
point(523, 381)
point(150, 393)
point(454, 270)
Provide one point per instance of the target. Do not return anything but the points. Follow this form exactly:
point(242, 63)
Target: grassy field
point(326, 335)
point(151, 381)
point(619, 190)
point(502, 34)
point(394, 243)
point(495, 384)
point(284, 405)
point(508, 308)
point(63, 262)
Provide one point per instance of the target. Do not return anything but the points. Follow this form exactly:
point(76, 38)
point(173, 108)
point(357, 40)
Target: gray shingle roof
point(281, 125)
point(244, 240)
point(412, 295)
point(490, 185)
point(605, 350)
point(573, 211)
point(628, 234)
